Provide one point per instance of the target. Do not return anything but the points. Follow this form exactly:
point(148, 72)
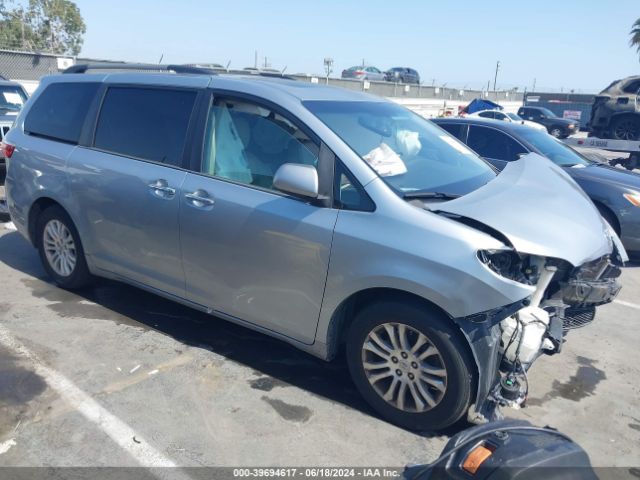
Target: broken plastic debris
point(5, 446)
point(385, 161)
point(119, 369)
point(153, 372)
point(134, 369)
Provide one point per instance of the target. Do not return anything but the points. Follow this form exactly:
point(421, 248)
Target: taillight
point(7, 149)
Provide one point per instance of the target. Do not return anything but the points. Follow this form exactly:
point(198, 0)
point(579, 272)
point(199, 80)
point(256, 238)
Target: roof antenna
point(161, 57)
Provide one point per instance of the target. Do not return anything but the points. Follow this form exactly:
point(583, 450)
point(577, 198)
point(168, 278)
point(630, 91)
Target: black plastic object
point(520, 452)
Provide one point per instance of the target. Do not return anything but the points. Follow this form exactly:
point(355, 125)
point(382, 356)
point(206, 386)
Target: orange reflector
point(634, 199)
point(476, 458)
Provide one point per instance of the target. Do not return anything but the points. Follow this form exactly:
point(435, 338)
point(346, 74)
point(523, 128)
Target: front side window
point(408, 152)
point(247, 143)
point(60, 110)
point(146, 123)
point(491, 143)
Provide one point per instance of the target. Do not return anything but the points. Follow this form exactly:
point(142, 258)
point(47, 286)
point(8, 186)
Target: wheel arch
point(350, 306)
point(603, 207)
point(37, 207)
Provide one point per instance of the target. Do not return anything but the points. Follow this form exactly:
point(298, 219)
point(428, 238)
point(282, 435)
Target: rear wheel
point(411, 365)
point(60, 249)
point(626, 128)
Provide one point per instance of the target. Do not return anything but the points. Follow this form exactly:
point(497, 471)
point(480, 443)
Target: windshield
point(408, 152)
point(513, 116)
point(11, 98)
point(547, 113)
point(553, 149)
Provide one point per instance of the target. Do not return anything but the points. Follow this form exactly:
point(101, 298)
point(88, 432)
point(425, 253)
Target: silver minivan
point(328, 218)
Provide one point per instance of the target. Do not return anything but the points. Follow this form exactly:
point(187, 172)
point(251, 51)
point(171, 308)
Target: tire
point(556, 132)
point(56, 233)
point(451, 355)
point(625, 128)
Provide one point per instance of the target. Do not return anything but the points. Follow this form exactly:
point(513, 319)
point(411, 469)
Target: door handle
point(200, 198)
point(161, 188)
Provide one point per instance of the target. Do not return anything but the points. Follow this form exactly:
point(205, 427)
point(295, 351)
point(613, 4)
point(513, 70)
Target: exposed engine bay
point(565, 298)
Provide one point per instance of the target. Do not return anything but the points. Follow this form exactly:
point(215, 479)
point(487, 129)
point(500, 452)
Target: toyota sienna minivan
point(328, 218)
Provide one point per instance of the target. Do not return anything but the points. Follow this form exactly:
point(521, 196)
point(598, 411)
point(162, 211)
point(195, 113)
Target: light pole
point(328, 68)
point(495, 78)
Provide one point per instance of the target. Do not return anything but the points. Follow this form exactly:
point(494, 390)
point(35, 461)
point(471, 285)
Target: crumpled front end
point(565, 298)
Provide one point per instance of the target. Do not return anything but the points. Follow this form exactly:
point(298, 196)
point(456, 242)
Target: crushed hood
point(540, 209)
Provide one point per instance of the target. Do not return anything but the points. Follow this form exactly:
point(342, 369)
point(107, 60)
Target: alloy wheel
point(59, 248)
point(556, 132)
point(404, 367)
point(627, 130)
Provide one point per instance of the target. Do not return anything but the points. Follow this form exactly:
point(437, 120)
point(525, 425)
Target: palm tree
point(635, 35)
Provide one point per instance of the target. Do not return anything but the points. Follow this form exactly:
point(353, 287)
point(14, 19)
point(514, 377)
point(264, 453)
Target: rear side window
point(146, 123)
point(454, 129)
point(491, 143)
point(60, 110)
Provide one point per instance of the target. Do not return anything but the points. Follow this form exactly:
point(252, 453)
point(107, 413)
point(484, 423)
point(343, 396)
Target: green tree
point(49, 25)
point(635, 35)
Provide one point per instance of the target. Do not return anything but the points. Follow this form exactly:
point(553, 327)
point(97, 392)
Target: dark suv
point(402, 75)
point(616, 113)
point(556, 126)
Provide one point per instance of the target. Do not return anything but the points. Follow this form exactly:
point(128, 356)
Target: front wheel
point(411, 365)
point(556, 132)
point(60, 249)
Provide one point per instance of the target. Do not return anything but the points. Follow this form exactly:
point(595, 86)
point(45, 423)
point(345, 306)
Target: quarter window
point(491, 143)
point(247, 143)
point(60, 110)
point(146, 123)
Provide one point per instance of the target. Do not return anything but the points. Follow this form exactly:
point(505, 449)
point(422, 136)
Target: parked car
point(615, 192)
point(361, 72)
point(555, 125)
point(615, 113)
point(12, 99)
point(507, 117)
point(402, 75)
point(324, 217)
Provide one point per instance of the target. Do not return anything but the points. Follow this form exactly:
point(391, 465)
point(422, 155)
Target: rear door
point(250, 251)
point(127, 183)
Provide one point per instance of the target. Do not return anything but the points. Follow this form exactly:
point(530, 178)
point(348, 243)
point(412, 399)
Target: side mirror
point(297, 179)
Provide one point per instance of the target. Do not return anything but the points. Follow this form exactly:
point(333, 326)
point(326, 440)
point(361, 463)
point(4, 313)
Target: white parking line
point(627, 304)
point(119, 431)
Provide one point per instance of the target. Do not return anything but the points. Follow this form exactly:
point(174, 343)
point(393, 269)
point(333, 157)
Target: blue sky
point(568, 44)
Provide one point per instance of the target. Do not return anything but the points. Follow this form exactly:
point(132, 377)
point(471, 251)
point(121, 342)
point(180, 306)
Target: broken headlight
point(509, 264)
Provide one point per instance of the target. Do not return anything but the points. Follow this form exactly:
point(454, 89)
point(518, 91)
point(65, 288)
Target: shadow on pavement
point(275, 363)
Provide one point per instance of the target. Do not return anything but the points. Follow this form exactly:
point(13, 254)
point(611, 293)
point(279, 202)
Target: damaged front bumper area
point(507, 341)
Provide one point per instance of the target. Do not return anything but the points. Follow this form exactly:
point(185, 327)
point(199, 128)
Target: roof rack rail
point(83, 67)
point(273, 75)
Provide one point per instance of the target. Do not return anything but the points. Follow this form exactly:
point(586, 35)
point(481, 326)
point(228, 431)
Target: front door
point(250, 251)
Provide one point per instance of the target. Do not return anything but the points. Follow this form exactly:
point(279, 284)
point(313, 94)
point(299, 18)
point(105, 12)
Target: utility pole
point(495, 78)
point(255, 59)
point(328, 68)
point(534, 85)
